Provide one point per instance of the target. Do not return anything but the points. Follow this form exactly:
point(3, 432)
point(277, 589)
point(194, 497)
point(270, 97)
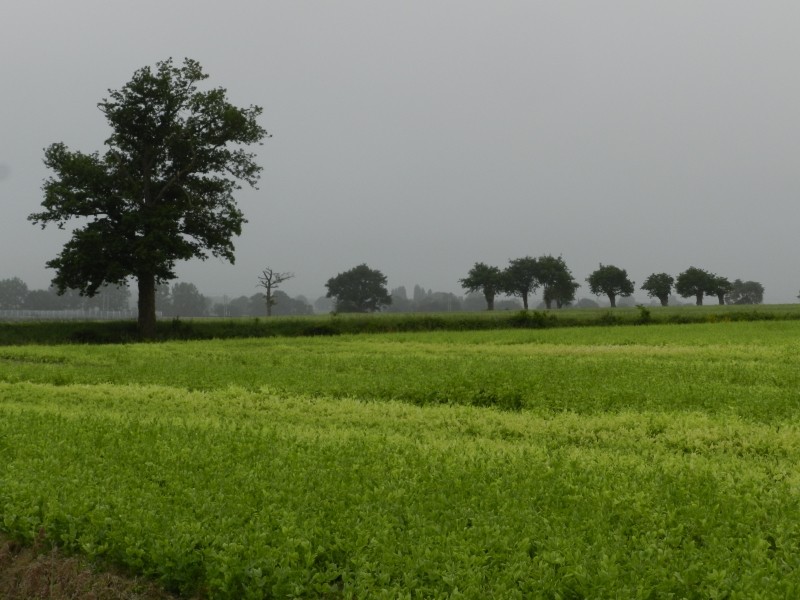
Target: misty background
point(421, 137)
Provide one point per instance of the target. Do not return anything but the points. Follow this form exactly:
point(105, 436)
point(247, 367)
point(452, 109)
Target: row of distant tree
point(363, 289)
point(524, 276)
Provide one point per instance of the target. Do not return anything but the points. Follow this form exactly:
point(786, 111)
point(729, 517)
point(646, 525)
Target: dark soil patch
point(36, 573)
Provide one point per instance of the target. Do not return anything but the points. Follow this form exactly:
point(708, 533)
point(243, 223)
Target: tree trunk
point(721, 298)
point(147, 306)
point(548, 303)
point(700, 299)
point(613, 299)
point(269, 302)
point(489, 301)
point(664, 300)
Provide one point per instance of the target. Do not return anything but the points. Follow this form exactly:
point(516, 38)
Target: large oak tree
point(162, 191)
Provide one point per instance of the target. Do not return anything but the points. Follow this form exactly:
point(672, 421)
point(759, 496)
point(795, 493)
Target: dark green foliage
point(524, 276)
point(485, 279)
point(695, 282)
point(205, 329)
point(659, 285)
point(720, 287)
point(556, 280)
point(608, 318)
point(163, 190)
point(521, 278)
point(745, 292)
point(360, 289)
point(611, 281)
point(645, 316)
point(532, 320)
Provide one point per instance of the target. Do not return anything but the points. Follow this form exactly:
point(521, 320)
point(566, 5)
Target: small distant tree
point(270, 280)
point(611, 281)
point(659, 285)
point(562, 291)
point(720, 287)
point(484, 279)
point(695, 282)
point(558, 284)
point(745, 292)
point(289, 306)
point(13, 293)
point(521, 278)
point(239, 307)
point(187, 301)
point(360, 289)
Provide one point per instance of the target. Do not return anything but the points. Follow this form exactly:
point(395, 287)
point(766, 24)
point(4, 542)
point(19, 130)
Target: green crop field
point(593, 462)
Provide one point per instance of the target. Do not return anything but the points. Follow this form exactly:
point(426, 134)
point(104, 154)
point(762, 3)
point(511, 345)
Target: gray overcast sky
point(423, 136)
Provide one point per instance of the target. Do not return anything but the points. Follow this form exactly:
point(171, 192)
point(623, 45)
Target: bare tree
point(270, 280)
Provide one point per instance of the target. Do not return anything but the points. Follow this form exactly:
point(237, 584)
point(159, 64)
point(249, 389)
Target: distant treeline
point(521, 279)
point(525, 276)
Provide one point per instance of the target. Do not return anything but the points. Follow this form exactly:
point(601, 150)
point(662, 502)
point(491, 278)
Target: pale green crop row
point(645, 462)
point(749, 369)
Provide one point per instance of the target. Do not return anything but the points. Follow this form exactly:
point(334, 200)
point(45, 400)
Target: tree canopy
point(746, 292)
point(720, 286)
point(611, 281)
point(187, 301)
point(659, 285)
point(13, 293)
point(360, 289)
point(695, 282)
point(485, 279)
point(162, 192)
point(522, 278)
point(556, 281)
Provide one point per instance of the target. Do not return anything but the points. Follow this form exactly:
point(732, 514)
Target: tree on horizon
point(162, 192)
